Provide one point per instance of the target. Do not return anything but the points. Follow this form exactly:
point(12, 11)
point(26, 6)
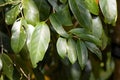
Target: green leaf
point(18, 36)
point(57, 26)
point(63, 1)
point(11, 15)
point(30, 29)
point(109, 10)
point(81, 13)
point(82, 53)
point(72, 54)
point(97, 27)
point(92, 6)
point(39, 43)
point(88, 37)
point(31, 12)
point(78, 31)
point(64, 16)
point(94, 49)
point(44, 9)
point(54, 4)
point(104, 40)
point(1, 64)
point(7, 66)
point(62, 47)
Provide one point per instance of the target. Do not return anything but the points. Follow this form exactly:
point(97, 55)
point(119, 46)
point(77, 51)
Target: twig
point(11, 2)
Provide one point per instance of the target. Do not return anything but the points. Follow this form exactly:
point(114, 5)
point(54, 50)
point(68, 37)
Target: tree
point(56, 39)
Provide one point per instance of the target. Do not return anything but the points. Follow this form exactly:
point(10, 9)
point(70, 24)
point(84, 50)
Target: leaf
point(82, 53)
point(57, 26)
point(109, 10)
point(72, 55)
point(97, 27)
point(104, 40)
point(62, 47)
point(78, 31)
point(54, 4)
point(81, 13)
point(31, 12)
point(39, 43)
point(7, 66)
point(1, 64)
point(94, 49)
point(18, 36)
point(30, 29)
point(88, 37)
point(92, 6)
point(44, 9)
point(11, 15)
point(63, 1)
point(64, 17)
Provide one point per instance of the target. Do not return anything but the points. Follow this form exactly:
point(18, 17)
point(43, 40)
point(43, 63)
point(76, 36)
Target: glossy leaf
point(64, 16)
point(81, 13)
point(97, 27)
point(57, 26)
point(78, 31)
point(30, 29)
point(94, 49)
point(88, 37)
point(11, 15)
point(7, 66)
point(18, 36)
point(39, 43)
point(31, 12)
point(72, 54)
point(92, 6)
point(62, 47)
point(82, 53)
point(1, 64)
point(109, 10)
point(44, 9)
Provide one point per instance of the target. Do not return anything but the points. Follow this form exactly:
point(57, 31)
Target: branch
point(8, 3)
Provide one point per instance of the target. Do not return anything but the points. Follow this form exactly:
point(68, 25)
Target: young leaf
point(18, 36)
point(31, 12)
point(94, 49)
point(97, 27)
point(109, 10)
point(82, 53)
point(72, 56)
point(57, 26)
point(62, 47)
point(11, 15)
point(92, 6)
point(39, 43)
point(7, 66)
point(81, 13)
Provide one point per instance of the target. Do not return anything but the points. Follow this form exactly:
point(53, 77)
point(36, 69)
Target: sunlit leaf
point(58, 26)
point(39, 43)
point(97, 27)
point(31, 12)
point(62, 47)
point(7, 66)
point(81, 13)
point(11, 15)
point(109, 10)
point(44, 9)
point(94, 49)
point(18, 36)
point(72, 56)
point(1, 64)
point(92, 6)
point(82, 53)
